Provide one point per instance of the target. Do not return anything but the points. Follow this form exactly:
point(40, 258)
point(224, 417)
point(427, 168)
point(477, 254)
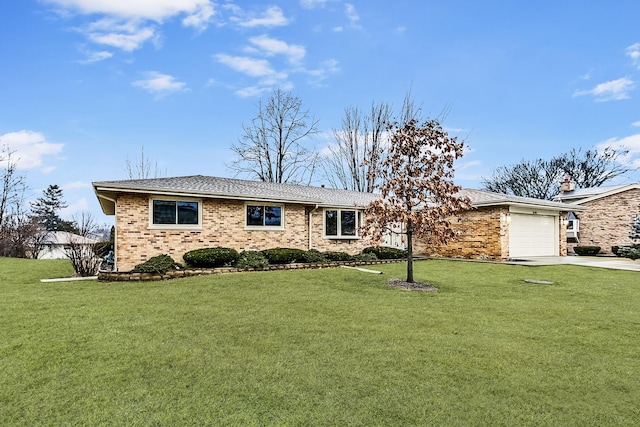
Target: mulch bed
point(415, 286)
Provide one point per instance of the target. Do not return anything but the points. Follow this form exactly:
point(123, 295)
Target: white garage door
point(533, 235)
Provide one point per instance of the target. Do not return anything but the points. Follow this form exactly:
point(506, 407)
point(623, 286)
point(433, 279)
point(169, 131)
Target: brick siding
point(607, 220)
point(222, 225)
point(480, 232)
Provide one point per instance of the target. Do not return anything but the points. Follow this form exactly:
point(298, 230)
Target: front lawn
point(322, 347)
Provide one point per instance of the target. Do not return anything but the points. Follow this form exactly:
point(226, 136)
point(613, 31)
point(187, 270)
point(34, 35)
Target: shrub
point(614, 250)
point(365, 257)
point(158, 264)
point(252, 259)
point(587, 250)
point(385, 253)
point(629, 252)
point(338, 256)
point(314, 255)
point(211, 257)
point(284, 255)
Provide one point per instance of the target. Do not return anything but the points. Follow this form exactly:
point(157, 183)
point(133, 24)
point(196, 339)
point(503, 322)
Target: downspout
point(115, 225)
point(311, 227)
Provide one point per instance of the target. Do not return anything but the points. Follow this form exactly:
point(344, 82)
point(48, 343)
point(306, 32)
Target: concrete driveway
point(602, 262)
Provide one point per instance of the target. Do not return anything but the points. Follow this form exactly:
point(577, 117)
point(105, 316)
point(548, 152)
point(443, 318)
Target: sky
point(86, 85)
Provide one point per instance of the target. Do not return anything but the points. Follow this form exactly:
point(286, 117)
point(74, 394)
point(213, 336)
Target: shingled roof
point(230, 188)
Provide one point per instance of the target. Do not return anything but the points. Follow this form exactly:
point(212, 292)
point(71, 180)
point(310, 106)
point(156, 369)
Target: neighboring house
point(56, 243)
point(605, 216)
point(176, 215)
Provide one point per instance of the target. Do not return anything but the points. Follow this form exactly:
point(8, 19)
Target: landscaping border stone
point(128, 276)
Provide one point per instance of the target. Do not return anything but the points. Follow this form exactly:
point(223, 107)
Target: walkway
point(602, 262)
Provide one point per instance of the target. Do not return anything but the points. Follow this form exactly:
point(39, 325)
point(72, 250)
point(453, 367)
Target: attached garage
point(533, 233)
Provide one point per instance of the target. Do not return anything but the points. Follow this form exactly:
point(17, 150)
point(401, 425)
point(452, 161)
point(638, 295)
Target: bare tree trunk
point(409, 252)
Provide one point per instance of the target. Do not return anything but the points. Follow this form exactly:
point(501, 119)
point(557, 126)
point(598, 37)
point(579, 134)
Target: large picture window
point(264, 216)
point(341, 223)
point(175, 212)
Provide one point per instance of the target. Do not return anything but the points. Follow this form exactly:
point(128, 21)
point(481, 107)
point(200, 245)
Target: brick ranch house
point(606, 214)
point(179, 214)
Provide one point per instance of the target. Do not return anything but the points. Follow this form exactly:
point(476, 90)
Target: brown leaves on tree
point(417, 187)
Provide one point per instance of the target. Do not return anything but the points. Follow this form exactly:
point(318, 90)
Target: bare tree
point(142, 167)
point(592, 168)
point(541, 178)
point(417, 186)
point(13, 184)
point(80, 246)
point(273, 148)
point(347, 165)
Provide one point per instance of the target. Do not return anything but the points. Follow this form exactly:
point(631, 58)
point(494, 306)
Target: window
point(340, 223)
point(269, 216)
point(175, 212)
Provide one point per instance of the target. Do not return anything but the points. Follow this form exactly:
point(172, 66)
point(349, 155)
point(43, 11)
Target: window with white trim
point(175, 213)
point(341, 223)
point(262, 216)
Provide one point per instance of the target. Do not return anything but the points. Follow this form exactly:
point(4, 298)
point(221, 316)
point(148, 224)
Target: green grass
point(322, 347)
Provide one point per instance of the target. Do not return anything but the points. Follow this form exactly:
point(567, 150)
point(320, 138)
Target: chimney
point(567, 185)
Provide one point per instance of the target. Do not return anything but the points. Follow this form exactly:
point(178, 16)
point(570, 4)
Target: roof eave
point(105, 193)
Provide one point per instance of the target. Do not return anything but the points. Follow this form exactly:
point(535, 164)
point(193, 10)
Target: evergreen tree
point(635, 229)
point(45, 209)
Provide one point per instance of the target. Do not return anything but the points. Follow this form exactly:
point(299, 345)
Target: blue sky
point(85, 84)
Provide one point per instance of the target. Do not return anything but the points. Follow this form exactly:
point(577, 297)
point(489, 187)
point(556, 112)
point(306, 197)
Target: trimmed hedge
point(587, 250)
point(284, 255)
point(385, 253)
point(365, 257)
point(158, 264)
point(252, 259)
point(631, 252)
point(338, 256)
point(211, 257)
point(314, 255)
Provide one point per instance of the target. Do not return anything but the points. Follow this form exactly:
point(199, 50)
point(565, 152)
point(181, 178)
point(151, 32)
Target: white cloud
point(78, 206)
point(312, 4)
point(29, 147)
point(159, 84)
point(252, 91)
point(260, 68)
point(250, 66)
point(328, 67)
point(127, 36)
point(156, 10)
point(270, 46)
point(352, 15)
point(201, 18)
point(272, 17)
point(93, 56)
point(633, 52)
point(124, 24)
point(613, 90)
point(76, 184)
point(630, 143)
point(635, 123)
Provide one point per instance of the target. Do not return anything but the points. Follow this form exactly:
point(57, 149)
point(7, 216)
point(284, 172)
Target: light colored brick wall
point(607, 221)
point(480, 232)
point(222, 225)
